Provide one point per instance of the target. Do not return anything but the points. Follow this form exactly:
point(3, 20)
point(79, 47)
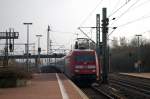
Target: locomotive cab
point(84, 65)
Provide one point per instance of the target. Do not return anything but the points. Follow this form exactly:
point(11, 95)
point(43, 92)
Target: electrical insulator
point(106, 29)
point(105, 22)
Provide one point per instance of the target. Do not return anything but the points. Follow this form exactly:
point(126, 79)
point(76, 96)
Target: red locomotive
point(80, 64)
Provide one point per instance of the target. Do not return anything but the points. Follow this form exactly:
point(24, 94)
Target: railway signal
point(11, 35)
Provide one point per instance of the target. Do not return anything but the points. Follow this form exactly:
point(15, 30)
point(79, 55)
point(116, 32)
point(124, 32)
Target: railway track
point(131, 87)
point(101, 92)
point(92, 94)
point(120, 87)
point(108, 91)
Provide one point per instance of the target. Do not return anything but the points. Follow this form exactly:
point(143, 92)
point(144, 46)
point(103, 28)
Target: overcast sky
point(65, 16)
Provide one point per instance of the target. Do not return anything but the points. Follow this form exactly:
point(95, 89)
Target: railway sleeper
point(108, 91)
point(129, 92)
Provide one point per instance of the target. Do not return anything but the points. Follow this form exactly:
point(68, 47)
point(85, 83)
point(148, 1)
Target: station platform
point(45, 86)
point(142, 75)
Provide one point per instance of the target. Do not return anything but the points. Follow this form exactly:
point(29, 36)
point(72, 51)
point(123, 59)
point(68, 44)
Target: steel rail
point(142, 89)
point(104, 93)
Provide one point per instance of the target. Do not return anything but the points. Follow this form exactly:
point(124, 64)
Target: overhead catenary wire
point(128, 9)
point(123, 14)
point(125, 11)
point(90, 13)
point(56, 31)
point(112, 31)
point(138, 19)
point(128, 24)
point(64, 32)
point(86, 35)
point(96, 8)
point(61, 31)
point(115, 6)
point(141, 4)
point(70, 40)
point(133, 21)
point(147, 31)
point(119, 8)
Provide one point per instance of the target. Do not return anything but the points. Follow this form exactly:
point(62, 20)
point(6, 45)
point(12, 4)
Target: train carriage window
point(83, 58)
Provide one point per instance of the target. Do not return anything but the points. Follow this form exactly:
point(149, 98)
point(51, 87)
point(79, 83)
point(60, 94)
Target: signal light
point(105, 22)
point(11, 47)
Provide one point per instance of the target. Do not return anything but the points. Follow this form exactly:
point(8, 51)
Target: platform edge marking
point(82, 94)
point(62, 88)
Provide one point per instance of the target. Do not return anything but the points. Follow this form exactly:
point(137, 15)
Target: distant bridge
point(34, 56)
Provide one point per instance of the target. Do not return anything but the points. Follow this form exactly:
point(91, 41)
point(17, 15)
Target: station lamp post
point(39, 50)
point(138, 52)
point(27, 54)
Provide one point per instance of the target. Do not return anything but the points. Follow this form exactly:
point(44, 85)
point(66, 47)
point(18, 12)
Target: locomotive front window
point(84, 58)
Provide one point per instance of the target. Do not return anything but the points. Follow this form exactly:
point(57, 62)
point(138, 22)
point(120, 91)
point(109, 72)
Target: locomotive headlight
point(78, 67)
point(93, 70)
point(91, 66)
point(76, 70)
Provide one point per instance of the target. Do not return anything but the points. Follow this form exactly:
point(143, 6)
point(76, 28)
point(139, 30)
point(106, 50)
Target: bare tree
point(115, 43)
point(123, 42)
point(134, 42)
